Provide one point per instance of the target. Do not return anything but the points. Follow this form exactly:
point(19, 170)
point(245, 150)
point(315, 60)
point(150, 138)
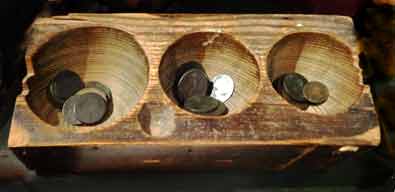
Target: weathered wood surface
point(259, 116)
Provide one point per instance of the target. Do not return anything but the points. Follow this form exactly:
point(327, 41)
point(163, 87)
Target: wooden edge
point(369, 138)
point(186, 15)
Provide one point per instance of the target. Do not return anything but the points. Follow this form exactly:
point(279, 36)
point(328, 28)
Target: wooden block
point(136, 56)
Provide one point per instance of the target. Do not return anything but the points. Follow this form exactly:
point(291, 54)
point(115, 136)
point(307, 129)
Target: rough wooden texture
point(136, 55)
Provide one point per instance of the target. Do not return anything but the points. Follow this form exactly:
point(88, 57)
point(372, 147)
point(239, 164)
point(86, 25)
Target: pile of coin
point(200, 95)
point(81, 104)
point(205, 105)
point(297, 88)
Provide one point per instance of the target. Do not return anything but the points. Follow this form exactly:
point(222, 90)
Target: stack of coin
point(293, 84)
point(193, 90)
point(88, 106)
point(81, 104)
point(297, 88)
point(205, 105)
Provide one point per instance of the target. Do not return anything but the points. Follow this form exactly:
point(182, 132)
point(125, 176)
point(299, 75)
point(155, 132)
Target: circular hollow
point(106, 55)
point(217, 53)
point(319, 57)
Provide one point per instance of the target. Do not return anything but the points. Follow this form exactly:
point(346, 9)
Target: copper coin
point(315, 92)
point(65, 84)
point(193, 82)
point(201, 104)
point(69, 110)
point(292, 85)
point(221, 110)
point(90, 108)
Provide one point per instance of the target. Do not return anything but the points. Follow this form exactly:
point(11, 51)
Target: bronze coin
point(193, 82)
point(315, 92)
point(90, 108)
point(65, 84)
point(292, 85)
point(201, 104)
point(221, 110)
point(69, 110)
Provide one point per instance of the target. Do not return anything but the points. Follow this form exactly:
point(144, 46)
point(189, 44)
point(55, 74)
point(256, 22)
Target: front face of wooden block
point(137, 57)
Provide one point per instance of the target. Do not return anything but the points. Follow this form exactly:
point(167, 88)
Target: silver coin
point(223, 87)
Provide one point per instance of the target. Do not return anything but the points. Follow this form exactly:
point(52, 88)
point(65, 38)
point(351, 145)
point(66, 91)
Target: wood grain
point(251, 48)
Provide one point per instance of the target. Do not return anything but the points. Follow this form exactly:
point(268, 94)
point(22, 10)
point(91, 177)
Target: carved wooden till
point(137, 55)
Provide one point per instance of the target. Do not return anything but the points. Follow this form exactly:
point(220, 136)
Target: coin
point(223, 87)
point(315, 92)
point(92, 90)
point(201, 104)
point(193, 82)
point(292, 85)
point(97, 85)
point(65, 84)
point(90, 108)
point(221, 110)
point(69, 110)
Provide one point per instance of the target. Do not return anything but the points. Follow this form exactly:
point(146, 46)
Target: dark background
point(366, 171)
